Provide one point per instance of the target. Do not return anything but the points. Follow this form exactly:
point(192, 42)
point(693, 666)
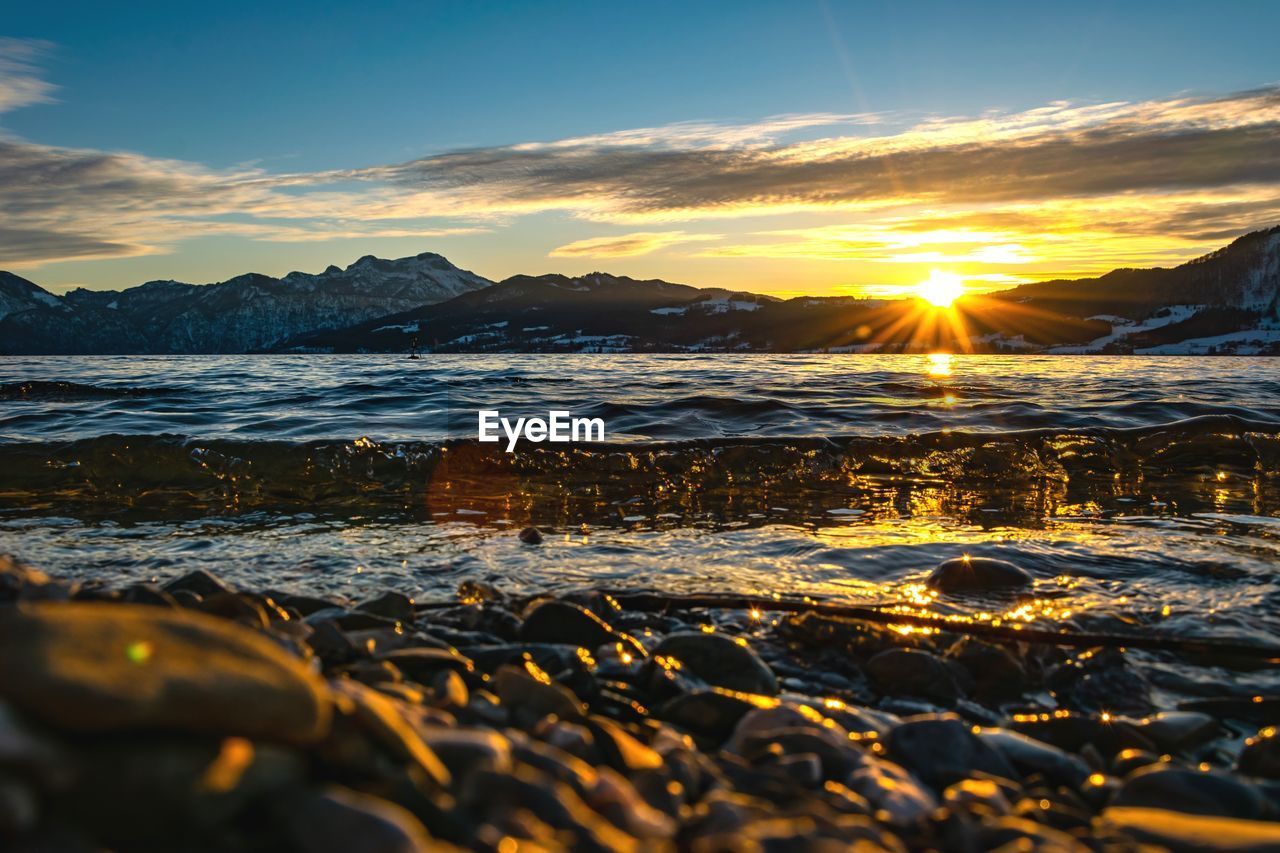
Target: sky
point(813, 146)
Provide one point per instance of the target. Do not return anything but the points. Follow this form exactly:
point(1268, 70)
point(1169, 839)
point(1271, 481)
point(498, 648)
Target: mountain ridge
point(248, 312)
point(1227, 301)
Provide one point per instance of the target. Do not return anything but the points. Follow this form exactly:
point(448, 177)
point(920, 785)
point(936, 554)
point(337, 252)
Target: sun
point(941, 288)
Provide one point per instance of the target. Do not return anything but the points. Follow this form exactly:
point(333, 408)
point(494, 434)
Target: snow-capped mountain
point(1225, 302)
point(247, 313)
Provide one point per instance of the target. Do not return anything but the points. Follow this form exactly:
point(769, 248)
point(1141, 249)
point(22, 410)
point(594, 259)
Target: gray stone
point(944, 750)
point(721, 661)
point(1193, 792)
point(908, 672)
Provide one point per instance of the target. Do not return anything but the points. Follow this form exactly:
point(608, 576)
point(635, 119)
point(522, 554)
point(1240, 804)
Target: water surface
point(1142, 493)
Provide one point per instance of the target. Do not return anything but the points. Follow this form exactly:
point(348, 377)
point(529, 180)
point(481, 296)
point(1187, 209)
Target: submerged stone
point(977, 573)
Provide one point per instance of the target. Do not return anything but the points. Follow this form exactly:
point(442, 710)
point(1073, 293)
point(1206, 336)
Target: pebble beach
point(190, 715)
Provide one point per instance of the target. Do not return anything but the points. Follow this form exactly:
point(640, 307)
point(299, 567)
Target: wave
point(51, 391)
point(1195, 459)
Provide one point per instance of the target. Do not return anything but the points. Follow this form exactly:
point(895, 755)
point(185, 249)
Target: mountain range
point(1225, 302)
point(248, 313)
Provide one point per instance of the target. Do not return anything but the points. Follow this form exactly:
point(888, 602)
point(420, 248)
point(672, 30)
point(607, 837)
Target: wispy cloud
point(21, 83)
point(1074, 186)
point(627, 245)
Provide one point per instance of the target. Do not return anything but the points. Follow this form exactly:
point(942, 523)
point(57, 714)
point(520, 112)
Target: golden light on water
point(940, 364)
point(940, 288)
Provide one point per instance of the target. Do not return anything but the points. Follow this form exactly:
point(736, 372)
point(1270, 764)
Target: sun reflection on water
point(940, 364)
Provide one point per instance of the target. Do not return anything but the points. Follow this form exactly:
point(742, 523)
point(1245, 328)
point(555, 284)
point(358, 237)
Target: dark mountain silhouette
point(246, 313)
point(1227, 301)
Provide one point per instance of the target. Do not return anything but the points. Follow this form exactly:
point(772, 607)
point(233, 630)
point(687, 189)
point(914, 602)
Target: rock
point(1184, 833)
point(996, 673)
point(765, 734)
point(1017, 834)
point(497, 796)
point(943, 750)
point(721, 661)
point(616, 798)
point(712, 713)
point(1261, 755)
point(1074, 731)
point(448, 690)
point(531, 536)
point(893, 792)
point(424, 664)
point(979, 797)
point(381, 719)
point(194, 788)
point(390, 605)
point(1193, 792)
point(1101, 680)
point(200, 582)
point(529, 694)
point(1029, 755)
point(908, 672)
point(104, 667)
point(341, 819)
point(1173, 731)
point(236, 606)
point(465, 750)
point(554, 621)
point(620, 750)
point(149, 594)
point(977, 573)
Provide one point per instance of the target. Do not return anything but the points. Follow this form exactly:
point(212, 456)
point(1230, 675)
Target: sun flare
point(941, 288)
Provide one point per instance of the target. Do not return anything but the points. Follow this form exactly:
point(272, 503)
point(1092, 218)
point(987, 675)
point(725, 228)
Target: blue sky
point(254, 107)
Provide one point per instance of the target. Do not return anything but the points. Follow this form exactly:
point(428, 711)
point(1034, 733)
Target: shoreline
point(196, 716)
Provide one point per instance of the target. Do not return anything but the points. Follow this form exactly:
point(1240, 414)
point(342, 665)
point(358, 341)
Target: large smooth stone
point(1193, 792)
point(105, 667)
point(977, 573)
point(1029, 755)
point(381, 718)
point(529, 694)
point(721, 661)
point(563, 622)
point(944, 750)
point(1182, 833)
point(712, 713)
point(908, 672)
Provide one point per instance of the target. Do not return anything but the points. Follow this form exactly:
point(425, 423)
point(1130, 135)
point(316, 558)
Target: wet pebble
point(943, 750)
point(909, 672)
point(720, 660)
